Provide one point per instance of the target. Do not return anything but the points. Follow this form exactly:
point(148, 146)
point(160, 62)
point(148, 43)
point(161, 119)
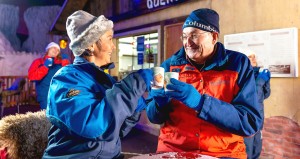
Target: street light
point(63, 43)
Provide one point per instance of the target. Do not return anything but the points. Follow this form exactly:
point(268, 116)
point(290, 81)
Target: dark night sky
point(29, 3)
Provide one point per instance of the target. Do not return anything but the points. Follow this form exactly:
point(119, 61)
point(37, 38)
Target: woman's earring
point(92, 49)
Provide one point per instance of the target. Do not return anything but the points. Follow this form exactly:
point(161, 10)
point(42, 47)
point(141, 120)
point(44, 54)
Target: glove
point(185, 93)
point(141, 105)
point(265, 75)
point(48, 62)
point(159, 96)
point(64, 57)
point(147, 75)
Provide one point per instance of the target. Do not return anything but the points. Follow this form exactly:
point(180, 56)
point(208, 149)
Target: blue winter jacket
point(263, 90)
point(42, 86)
point(89, 111)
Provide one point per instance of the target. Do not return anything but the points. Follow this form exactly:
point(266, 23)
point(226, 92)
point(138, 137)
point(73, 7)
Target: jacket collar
point(80, 60)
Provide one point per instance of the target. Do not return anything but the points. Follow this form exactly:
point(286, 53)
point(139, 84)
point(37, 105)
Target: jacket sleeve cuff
point(204, 103)
point(200, 105)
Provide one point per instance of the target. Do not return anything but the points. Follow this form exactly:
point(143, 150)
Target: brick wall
point(281, 138)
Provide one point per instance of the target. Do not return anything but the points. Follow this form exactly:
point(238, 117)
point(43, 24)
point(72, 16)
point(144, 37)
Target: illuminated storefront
point(130, 59)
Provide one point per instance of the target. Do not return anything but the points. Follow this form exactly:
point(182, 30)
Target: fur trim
point(24, 135)
point(90, 35)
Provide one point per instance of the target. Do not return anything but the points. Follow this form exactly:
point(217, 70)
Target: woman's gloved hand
point(64, 56)
point(64, 59)
point(141, 105)
point(159, 96)
point(147, 75)
point(185, 93)
point(48, 62)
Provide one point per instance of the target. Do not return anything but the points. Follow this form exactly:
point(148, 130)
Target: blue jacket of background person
point(42, 86)
point(263, 90)
point(89, 111)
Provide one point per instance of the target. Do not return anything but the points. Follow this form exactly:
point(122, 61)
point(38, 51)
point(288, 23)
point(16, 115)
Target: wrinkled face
point(198, 44)
point(53, 51)
point(104, 48)
point(252, 59)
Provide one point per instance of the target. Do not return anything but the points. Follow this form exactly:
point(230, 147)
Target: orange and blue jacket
point(229, 112)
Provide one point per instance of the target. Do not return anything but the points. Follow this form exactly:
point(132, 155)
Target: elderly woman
point(88, 109)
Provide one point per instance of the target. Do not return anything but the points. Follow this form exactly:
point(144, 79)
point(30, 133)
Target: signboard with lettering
point(140, 49)
point(140, 58)
point(140, 43)
point(152, 4)
point(276, 50)
point(139, 7)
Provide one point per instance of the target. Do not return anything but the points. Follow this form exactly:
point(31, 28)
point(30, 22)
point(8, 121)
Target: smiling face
point(198, 44)
point(104, 48)
point(53, 51)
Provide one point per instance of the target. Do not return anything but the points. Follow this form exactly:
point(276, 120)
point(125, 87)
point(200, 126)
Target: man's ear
point(215, 36)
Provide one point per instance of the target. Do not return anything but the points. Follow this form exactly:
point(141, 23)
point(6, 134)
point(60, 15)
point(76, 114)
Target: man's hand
point(185, 93)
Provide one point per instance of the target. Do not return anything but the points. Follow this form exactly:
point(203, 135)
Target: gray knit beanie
point(85, 29)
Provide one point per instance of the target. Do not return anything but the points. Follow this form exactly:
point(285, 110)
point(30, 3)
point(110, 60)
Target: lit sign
point(159, 3)
point(140, 49)
point(140, 7)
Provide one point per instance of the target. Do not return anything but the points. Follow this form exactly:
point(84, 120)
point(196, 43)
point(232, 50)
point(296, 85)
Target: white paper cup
point(158, 74)
point(168, 76)
point(50, 59)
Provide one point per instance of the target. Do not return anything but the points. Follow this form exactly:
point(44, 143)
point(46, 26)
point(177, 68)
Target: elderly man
point(214, 102)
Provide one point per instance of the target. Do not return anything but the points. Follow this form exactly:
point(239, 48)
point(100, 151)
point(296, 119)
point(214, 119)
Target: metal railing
point(24, 95)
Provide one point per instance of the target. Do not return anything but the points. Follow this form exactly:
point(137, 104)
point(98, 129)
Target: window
point(129, 56)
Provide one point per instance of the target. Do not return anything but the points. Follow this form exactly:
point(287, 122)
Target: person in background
point(262, 79)
point(42, 70)
point(88, 109)
point(214, 102)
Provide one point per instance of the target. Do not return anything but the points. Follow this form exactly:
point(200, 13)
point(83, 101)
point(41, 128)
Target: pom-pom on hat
point(52, 44)
point(204, 19)
point(85, 29)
